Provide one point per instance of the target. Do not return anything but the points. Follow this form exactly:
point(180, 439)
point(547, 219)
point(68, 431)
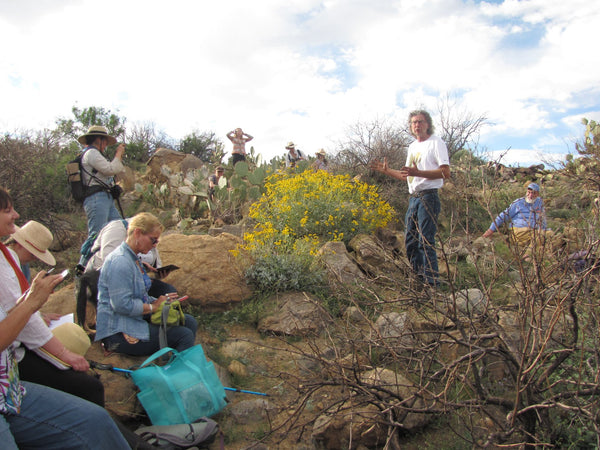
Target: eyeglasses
point(414, 122)
point(153, 240)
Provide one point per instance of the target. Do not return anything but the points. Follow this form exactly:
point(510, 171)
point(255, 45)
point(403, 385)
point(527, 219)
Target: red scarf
point(18, 272)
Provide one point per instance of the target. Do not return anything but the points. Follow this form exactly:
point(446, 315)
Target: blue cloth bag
point(185, 389)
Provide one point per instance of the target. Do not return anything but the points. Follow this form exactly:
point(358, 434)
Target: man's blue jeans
point(421, 227)
point(51, 419)
point(100, 209)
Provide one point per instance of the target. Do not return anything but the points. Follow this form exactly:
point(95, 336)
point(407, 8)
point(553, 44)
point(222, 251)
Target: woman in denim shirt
point(124, 306)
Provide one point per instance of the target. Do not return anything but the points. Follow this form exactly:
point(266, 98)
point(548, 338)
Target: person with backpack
point(98, 180)
point(294, 154)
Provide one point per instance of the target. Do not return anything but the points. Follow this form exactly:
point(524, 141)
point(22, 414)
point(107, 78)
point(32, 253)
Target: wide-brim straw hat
point(36, 238)
point(321, 152)
point(97, 130)
point(290, 145)
point(73, 337)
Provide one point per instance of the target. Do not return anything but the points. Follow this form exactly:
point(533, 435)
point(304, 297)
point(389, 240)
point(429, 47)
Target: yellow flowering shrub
point(318, 204)
point(297, 214)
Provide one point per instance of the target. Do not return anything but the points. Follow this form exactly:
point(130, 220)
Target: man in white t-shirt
point(427, 166)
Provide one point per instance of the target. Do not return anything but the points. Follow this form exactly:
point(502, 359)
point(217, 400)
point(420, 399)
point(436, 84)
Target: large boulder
point(297, 314)
point(373, 258)
point(340, 266)
point(173, 160)
point(208, 271)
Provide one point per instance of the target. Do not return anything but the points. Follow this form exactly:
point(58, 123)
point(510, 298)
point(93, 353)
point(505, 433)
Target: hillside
point(503, 353)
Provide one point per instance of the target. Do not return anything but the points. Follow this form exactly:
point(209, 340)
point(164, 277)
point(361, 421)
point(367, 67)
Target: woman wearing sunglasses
point(124, 306)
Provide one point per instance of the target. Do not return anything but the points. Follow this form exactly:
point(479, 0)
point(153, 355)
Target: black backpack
point(75, 179)
point(79, 191)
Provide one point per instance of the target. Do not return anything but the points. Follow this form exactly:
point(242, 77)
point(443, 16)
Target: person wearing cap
point(213, 182)
point(42, 357)
point(33, 415)
point(524, 216)
point(321, 162)
point(98, 176)
point(293, 155)
point(239, 139)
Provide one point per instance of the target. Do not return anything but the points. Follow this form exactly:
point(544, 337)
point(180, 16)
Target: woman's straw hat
point(36, 238)
point(97, 130)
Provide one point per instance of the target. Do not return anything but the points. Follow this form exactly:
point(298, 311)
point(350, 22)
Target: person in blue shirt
point(124, 305)
point(524, 216)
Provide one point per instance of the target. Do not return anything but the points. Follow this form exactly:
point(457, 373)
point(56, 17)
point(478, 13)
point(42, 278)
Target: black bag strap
point(105, 186)
point(94, 171)
point(162, 332)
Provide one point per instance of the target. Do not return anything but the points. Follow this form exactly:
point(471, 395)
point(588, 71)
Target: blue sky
point(306, 71)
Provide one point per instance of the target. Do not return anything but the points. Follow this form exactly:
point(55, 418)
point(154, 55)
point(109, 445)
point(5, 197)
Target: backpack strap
point(94, 171)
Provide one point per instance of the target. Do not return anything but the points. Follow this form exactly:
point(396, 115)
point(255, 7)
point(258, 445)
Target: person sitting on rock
point(213, 182)
point(124, 306)
point(33, 415)
point(525, 216)
point(114, 234)
point(39, 346)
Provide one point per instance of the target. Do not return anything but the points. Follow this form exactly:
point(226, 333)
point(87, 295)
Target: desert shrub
point(296, 215)
point(32, 167)
point(321, 206)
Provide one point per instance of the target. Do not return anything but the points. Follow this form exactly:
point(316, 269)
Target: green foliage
point(241, 169)
point(143, 140)
point(245, 183)
point(285, 272)
point(204, 145)
point(32, 167)
point(86, 117)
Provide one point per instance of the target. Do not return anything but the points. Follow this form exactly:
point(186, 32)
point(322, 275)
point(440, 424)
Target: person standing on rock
point(427, 166)
point(293, 155)
point(98, 177)
point(239, 139)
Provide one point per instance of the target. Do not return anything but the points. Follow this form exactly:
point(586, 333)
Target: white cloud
point(301, 70)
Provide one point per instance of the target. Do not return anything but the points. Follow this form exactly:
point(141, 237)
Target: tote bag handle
point(158, 354)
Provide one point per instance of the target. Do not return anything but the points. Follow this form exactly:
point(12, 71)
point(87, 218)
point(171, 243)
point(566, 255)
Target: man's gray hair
point(427, 116)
